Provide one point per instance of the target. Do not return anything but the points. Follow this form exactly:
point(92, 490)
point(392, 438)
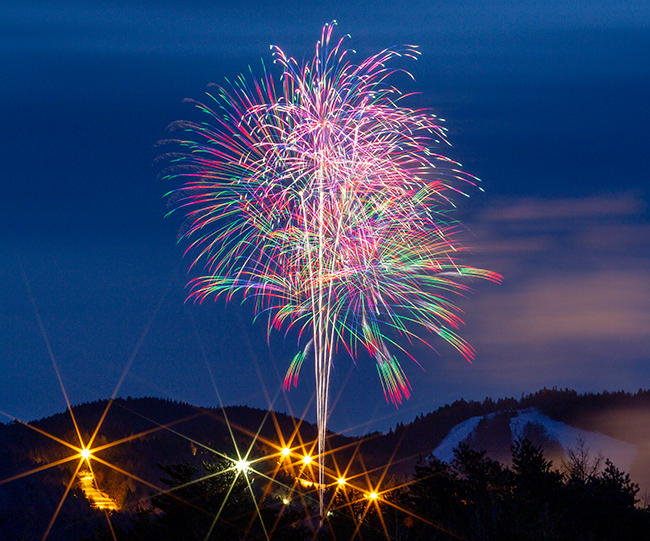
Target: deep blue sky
point(549, 105)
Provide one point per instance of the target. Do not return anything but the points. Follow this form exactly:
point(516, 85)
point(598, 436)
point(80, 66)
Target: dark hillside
point(621, 415)
point(38, 463)
point(134, 439)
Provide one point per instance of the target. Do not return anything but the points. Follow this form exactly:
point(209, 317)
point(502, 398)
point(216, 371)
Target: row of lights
point(243, 466)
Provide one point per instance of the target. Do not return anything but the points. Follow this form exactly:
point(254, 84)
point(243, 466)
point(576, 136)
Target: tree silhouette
point(220, 505)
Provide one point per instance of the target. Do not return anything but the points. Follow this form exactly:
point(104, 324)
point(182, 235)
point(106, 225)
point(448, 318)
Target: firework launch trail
point(326, 202)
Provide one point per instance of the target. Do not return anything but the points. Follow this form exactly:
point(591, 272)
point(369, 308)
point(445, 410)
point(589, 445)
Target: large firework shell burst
point(324, 200)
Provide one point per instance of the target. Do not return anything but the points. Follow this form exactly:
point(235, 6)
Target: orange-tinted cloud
point(596, 306)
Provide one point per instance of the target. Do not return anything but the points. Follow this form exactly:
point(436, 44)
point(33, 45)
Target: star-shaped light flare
point(290, 455)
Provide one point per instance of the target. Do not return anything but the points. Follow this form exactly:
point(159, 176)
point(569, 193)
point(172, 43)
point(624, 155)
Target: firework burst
point(324, 199)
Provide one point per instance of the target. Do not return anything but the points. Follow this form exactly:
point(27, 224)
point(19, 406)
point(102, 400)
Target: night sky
point(548, 104)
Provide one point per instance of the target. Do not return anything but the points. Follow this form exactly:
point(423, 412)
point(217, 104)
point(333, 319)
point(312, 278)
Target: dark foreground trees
point(219, 503)
point(473, 498)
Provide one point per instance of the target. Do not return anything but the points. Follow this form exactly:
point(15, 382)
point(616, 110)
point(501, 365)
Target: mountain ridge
point(150, 432)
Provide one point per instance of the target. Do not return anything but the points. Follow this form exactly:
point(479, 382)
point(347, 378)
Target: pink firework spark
point(326, 201)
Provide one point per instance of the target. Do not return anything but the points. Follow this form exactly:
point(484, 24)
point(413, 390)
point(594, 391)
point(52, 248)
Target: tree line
point(472, 498)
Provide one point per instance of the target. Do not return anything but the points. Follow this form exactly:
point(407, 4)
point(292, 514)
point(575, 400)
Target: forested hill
point(138, 443)
point(151, 431)
point(131, 441)
point(620, 414)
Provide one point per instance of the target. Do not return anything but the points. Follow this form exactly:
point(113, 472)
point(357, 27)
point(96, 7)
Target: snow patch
point(620, 453)
point(458, 434)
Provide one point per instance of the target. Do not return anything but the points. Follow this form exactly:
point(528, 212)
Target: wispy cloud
point(574, 308)
point(612, 306)
point(566, 209)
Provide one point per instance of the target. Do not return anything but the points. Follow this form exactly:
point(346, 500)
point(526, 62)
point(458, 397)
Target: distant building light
point(96, 497)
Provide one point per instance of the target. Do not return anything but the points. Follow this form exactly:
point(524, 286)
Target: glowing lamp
point(341, 481)
point(85, 453)
point(286, 451)
point(373, 495)
point(306, 459)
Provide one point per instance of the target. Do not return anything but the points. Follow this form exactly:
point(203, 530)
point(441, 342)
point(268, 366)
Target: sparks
point(326, 201)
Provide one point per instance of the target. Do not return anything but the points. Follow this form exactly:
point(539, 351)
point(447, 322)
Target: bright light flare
point(306, 459)
point(242, 465)
point(373, 495)
point(341, 481)
point(286, 451)
point(85, 454)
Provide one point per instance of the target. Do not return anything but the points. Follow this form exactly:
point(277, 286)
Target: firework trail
point(322, 199)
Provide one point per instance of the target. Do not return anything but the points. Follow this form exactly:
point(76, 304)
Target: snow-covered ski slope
point(620, 453)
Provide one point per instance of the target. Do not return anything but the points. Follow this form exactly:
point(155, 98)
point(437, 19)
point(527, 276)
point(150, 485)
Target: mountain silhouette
point(135, 439)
